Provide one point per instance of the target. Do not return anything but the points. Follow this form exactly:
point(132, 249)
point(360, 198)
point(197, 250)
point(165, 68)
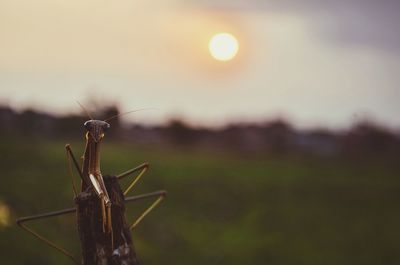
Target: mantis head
point(96, 129)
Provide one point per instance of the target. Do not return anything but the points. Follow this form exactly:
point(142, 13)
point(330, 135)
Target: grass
point(222, 207)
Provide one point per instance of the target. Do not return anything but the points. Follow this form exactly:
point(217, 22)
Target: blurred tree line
point(275, 136)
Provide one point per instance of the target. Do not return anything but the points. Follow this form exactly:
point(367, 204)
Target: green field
point(222, 207)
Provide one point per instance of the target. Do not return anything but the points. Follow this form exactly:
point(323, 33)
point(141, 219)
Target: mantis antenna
point(85, 110)
point(121, 114)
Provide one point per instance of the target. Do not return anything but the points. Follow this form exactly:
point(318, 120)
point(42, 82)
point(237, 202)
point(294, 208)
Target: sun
point(223, 46)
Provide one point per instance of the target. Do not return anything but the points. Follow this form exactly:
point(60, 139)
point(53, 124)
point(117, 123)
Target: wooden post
point(98, 247)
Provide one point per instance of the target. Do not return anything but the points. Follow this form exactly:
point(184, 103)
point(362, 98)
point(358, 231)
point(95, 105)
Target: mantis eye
point(87, 125)
point(106, 126)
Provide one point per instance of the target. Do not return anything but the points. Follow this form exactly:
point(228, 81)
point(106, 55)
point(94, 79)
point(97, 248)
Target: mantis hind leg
point(21, 221)
point(160, 198)
point(141, 168)
point(160, 195)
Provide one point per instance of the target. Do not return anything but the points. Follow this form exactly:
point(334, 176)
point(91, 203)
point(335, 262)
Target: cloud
point(358, 23)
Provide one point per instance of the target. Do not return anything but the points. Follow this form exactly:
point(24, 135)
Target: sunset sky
point(317, 63)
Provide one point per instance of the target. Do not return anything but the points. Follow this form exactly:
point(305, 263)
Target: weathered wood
point(98, 247)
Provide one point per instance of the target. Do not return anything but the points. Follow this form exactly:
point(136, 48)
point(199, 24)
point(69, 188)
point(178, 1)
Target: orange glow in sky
point(177, 57)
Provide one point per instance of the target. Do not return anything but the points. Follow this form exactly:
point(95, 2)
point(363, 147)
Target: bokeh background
point(286, 154)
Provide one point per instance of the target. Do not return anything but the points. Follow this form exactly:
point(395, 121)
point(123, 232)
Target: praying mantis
point(104, 233)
